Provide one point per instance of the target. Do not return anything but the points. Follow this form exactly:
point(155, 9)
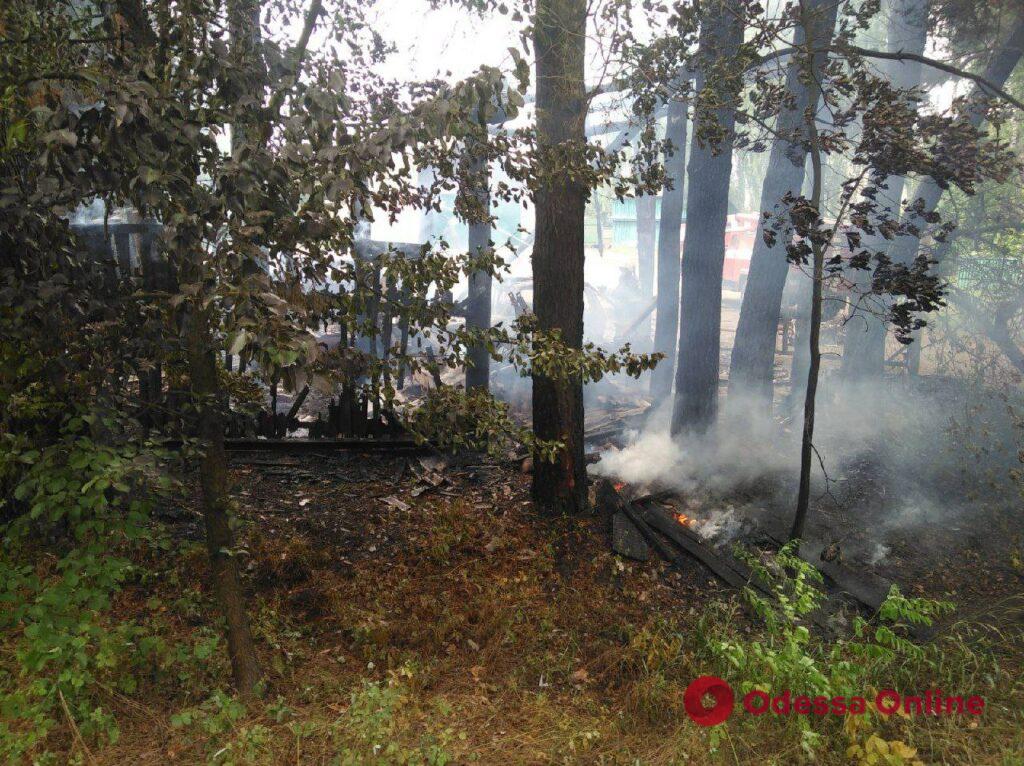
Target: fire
point(619, 485)
point(683, 519)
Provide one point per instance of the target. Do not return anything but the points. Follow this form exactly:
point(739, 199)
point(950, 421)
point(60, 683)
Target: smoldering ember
point(511, 382)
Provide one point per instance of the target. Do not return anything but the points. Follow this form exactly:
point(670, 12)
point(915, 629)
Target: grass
point(475, 633)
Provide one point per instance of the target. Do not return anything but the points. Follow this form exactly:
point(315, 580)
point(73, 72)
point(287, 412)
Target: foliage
point(791, 657)
point(128, 105)
point(366, 733)
point(92, 499)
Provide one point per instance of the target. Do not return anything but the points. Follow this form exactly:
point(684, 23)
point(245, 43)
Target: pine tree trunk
point(213, 474)
point(707, 207)
point(666, 322)
point(559, 40)
point(751, 370)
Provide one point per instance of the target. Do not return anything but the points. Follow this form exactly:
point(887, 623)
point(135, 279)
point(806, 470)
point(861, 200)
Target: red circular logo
point(693, 700)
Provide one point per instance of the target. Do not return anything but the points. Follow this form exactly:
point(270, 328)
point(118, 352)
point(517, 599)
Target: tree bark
point(751, 370)
point(666, 321)
point(478, 303)
point(559, 37)
point(700, 305)
point(646, 217)
point(207, 394)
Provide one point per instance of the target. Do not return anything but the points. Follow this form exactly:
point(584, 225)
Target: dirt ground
point(504, 637)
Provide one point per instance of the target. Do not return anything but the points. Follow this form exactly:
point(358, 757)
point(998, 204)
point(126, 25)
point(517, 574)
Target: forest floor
point(409, 612)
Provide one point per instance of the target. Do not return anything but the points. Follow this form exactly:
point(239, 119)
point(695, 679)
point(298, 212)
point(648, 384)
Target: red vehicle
point(740, 234)
point(740, 231)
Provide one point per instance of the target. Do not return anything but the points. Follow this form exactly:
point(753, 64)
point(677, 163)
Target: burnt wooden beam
point(865, 587)
point(397, 446)
point(728, 569)
point(293, 411)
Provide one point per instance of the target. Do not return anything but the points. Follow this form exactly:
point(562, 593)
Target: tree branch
point(978, 79)
point(315, 8)
point(992, 88)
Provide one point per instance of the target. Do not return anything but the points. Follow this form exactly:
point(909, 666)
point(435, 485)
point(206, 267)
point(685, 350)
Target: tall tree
point(559, 38)
point(864, 344)
point(673, 197)
point(700, 306)
point(478, 302)
point(246, 85)
point(752, 366)
point(928, 193)
point(646, 235)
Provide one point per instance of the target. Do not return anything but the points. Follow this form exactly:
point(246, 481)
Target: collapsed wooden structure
point(676, 542)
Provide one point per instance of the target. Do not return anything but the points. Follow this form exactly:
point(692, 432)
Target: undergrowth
point(446, 653)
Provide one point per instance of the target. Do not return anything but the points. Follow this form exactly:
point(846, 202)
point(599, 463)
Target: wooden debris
point(394, 502)
point(321, 445)
point(627, 539)
point(864, 586)
point(728, 569)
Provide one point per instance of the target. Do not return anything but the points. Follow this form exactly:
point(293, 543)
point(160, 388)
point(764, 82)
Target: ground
point(412, 611)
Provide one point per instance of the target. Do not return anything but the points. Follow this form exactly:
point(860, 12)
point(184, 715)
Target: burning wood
point(672, 534)
point(685, 520)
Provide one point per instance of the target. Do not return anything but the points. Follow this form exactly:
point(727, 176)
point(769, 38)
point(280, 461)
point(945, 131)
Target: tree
point(864, 342)
point(559, 37)
point(673, 196)
point(478, 301)
point(646, 235)
point(928, 194)
point(893, 140)
point(753, 356)
point(700, 316)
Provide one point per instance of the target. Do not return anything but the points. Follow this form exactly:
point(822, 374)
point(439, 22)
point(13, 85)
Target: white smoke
point(898, 455)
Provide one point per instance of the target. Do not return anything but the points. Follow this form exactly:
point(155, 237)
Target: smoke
point(892, 457)
point(741, 449)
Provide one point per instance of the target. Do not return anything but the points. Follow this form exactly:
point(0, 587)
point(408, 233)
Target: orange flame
point(683, 519)
point(619, 485)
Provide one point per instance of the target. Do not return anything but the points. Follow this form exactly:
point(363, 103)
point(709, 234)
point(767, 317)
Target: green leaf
point(238, 342)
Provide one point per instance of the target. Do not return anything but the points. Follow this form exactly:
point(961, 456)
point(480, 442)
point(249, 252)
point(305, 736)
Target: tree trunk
point(246, 40)
point(213, 473)
point(559, 37)
point(666, 322)
point(864, 345)
point(801, 361)
point(700, 305)
point(751, 370)
point(478, 303)
point(646, 221)
point(599, 221)
point(814, 330)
